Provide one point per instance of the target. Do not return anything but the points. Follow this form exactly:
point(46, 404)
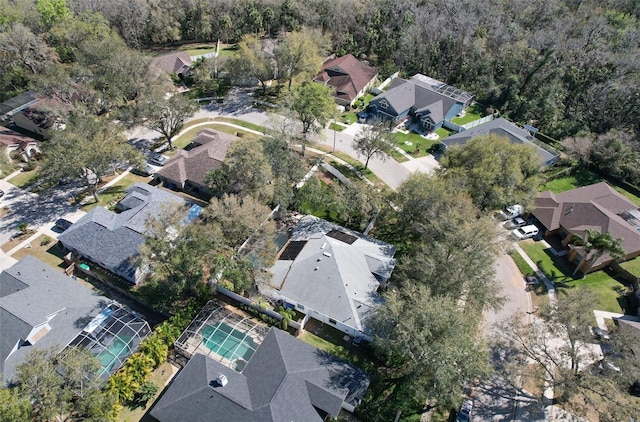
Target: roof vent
point(222, 380)
point(323, 245)
point(327, 254)
point(316, 268)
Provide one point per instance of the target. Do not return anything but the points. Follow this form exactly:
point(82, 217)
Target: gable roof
point(176, 62)
point(596, 206)
point(504, 128)
point(31, 294)
point(112, 240)
point(346, 75)
point(10, 138)
point(285, 380)
point(193, 165)
point(337, 271)
point(418, 94)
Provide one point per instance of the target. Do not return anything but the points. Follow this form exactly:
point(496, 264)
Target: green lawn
point(522, 265)
point(582, 177)
point(604, 284)
point(357, 358)
point(417, 142)
point(187, 136)
point(111, 195)
point(633, 266)
point(242, 123)
point(474, 112)
point(443, 132)
point(204, 48)
point(25, 178)
point(349, 118)
point(336, 127)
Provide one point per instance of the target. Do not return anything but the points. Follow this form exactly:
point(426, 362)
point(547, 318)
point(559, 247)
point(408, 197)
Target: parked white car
point(525, 232)
point(511, 211)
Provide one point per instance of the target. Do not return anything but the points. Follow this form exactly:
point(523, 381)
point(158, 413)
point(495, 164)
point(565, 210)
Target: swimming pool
point(227, 342)
point(115, 353)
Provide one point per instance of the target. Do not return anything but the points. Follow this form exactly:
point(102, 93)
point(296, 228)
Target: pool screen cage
point(224, 334)
point(112, 336)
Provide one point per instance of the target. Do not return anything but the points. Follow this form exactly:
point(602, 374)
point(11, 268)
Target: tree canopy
point(85, 150)
point(493, 171)
point(374, 141)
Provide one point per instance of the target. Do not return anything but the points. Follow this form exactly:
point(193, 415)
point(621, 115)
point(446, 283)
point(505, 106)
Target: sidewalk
point(548, 283)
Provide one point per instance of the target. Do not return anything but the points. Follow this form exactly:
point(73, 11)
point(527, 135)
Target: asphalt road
point(496, 398)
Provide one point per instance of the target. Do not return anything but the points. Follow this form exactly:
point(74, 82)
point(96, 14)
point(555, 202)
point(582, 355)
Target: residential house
point(41, 117)
point(186, 170)
point(112, 240)
point(178, 63)
point(331, 274)
point(504, 128)
point(423, 102)
point(14, 142)
point(285, 380)
point(40, 307)
point(597, 207)
point(349, 78)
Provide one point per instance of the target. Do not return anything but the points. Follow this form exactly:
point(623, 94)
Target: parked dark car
point(62, 224)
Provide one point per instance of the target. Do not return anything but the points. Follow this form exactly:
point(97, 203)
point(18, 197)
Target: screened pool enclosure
point(112, 336)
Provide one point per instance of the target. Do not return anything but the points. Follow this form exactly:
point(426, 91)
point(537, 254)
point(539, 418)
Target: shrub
point(45, 241)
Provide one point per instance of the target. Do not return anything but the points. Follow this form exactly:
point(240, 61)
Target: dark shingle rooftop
point(285, 380)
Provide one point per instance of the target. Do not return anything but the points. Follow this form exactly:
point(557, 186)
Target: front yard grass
point(336, 127)
point(45, 249)
point(417, 143)
point(606, 285)
point(349, 117)
point(242, 123)
point(25, 178)
point(111, 195)
point(633, 266)
point(474, 112)
point(187, 136)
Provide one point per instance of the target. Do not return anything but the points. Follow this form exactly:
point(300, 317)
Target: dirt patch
point(17, 240)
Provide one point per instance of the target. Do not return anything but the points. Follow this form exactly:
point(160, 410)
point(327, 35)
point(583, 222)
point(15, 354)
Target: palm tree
point(598, 243)
point(122, 386)
point(287, 316)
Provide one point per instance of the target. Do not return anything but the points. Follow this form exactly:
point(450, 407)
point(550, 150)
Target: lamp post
point(334, 136)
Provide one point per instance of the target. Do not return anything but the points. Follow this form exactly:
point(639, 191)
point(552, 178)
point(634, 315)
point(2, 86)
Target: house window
point(384, 104)
point(332, 321)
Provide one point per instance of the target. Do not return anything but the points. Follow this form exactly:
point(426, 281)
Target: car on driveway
point(525, 232)
point(61, 224)
point(515, 223)
point(158, 159)
point(512, 211)
point(145, 170)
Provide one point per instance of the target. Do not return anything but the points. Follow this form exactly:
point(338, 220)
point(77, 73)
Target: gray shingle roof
point(285, 380)
point(332, 277)
point(500, 127)
point(176, 62)
point(32, 293)
point(113, 240)
point(417, 94)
